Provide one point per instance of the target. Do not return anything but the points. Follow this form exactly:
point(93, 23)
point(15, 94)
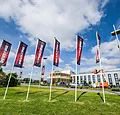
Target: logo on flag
point(4, 52)
point(56, 53)
point(20, 55)
point(39, 53)
point(79, 49)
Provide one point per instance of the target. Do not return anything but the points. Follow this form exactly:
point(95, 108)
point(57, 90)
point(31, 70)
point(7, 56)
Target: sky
point(27, 20)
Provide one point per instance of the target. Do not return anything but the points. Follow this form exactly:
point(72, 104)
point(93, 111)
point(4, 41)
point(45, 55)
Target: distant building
point(60, 76)
point(112, 77)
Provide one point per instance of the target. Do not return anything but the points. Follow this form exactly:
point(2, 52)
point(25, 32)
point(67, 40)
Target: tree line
point(5, 77)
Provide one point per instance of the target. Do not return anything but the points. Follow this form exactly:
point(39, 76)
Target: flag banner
point(43, 70)
point(20, 74)
point(39, 53)
point(56, 53)
point(79, 49)
point(98, 39)
point(98, 48)
point(20, 55)
point(97, 56)
point(4, 52)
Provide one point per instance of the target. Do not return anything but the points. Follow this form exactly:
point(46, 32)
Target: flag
point(4, 52)
point(39, 53)
point(43, 70)
point(98, 48)
point(79, 49)
point(20, 74)
point(97, 56)
point(56, 53)
point(20, 55)
point(98, 39)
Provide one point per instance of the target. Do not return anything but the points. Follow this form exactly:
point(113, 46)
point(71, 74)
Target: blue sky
point(26, 21)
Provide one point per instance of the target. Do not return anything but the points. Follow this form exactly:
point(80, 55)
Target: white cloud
point(28, 62)
point(108, 49)
point(92, 68)
point(49, 18)
point(50, 58)
point(110, 57)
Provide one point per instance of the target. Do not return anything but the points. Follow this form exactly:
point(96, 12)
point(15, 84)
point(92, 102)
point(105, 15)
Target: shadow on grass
point(60, 95)
point(43, 94)
point(20, 92)
point(100, 96)
point(35, 92)
point(81, 95)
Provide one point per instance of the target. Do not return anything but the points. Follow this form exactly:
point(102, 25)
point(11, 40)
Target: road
point(83, 90)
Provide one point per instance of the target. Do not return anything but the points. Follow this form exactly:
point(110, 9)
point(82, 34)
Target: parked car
point(73, 84)
point(62, 83)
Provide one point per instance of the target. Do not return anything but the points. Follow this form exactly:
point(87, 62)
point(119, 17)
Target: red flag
point(98, 39)
point(98, 48)
point(39, 53)
point(79, 49)
point(43, 70)
point(4, 52)
point(20, 55)
point(56, 53)
point(97, 56)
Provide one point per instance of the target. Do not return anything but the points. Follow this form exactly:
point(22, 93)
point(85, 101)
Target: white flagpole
point(31, 75)
point(40, 80)
point(29, 83)
point(10, 74)
point(76, 73)
point(51, 74)
point(116, 37)
point(101, 69)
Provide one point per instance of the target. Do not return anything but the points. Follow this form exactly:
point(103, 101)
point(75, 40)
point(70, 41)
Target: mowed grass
point(62, 103)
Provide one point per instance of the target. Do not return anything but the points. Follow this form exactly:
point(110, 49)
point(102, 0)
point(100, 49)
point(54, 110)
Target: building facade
point(112, 77)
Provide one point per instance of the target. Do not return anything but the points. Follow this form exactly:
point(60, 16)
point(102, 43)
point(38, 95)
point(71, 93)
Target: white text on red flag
point(39, 53)
point(56, 53)
point(79, 49)
point(4, 52)
point(20, 55)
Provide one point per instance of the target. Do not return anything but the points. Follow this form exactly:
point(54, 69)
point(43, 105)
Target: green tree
point(13, 80)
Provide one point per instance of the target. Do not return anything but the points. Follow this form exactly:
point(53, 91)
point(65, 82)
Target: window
point(98, 78)
point(116, 79)
point(93, 77)
point(110, 79)
point(85, 77)
point(81, 79)
point(89, 78)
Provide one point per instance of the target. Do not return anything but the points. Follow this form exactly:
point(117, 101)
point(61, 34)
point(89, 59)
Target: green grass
point(62, 103)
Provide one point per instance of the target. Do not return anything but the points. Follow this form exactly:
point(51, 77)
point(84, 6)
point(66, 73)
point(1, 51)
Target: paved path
point(83, 90)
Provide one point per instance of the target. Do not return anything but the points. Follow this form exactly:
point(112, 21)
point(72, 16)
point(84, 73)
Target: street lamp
point(115, 33)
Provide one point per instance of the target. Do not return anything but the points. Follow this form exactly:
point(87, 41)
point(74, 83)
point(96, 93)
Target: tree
point(13, 80)
point(2, 76)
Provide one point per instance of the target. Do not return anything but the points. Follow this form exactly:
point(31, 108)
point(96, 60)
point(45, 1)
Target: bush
point(115, 89)
point(86, 87)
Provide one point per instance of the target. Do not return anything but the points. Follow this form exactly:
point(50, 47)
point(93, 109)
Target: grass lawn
point(62, 103)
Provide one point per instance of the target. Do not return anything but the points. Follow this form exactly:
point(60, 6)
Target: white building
point(112, 77)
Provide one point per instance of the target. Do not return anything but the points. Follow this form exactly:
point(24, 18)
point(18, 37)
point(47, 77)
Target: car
point(73, 84)
point(63, 84)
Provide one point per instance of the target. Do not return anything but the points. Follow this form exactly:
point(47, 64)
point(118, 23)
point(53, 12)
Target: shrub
point(115, 89)
point(86, 87)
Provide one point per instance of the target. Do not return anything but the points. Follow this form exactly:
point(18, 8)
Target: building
point(112, 77)
point(61, 76)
